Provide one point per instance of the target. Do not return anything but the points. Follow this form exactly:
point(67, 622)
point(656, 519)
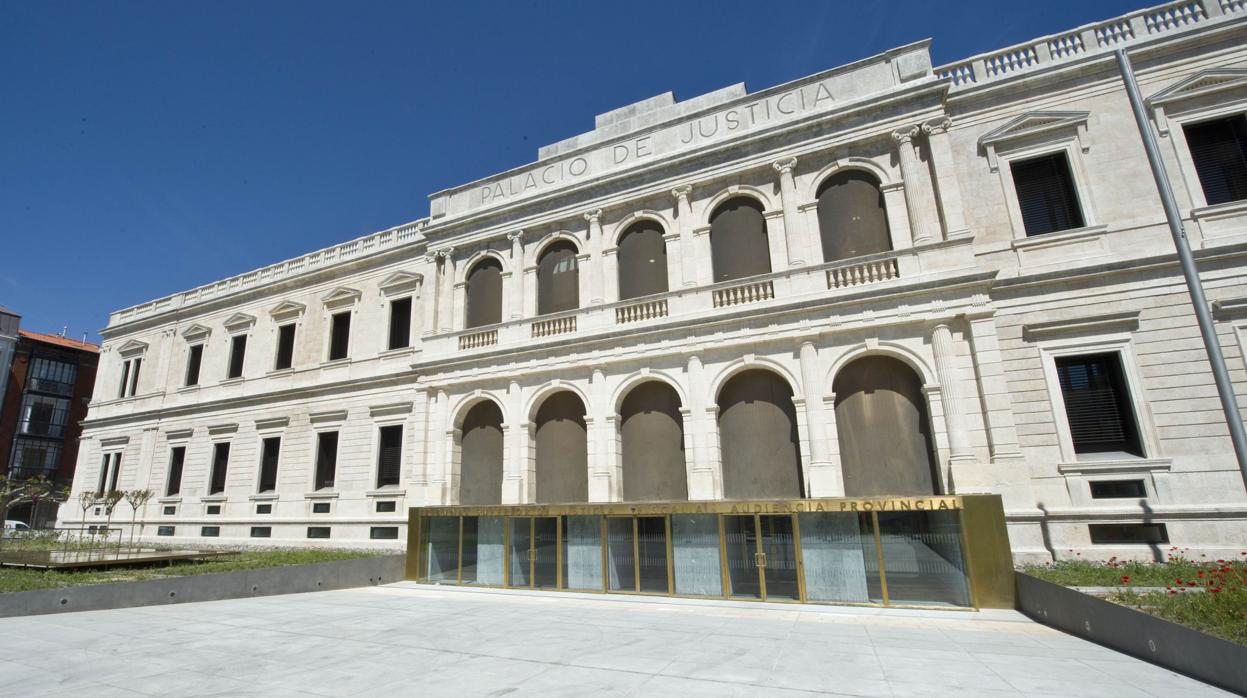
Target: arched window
point(652, 434)
point(484, 293)
point(884, 433)
point(738, 243)
point(481, 447)
point(758, 437)
point(562, 449)
point(642, 261)
point(852, 220)
point(558, 279)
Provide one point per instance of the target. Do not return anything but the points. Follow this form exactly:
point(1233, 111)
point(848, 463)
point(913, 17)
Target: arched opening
point(642, 260)
point(758, 438)
point(852, 219)
point(481, 449)
point(652, 433)
point(738, 243)
point(562, 449)
point(558, 278)
point(883, 429)
point(484, 293)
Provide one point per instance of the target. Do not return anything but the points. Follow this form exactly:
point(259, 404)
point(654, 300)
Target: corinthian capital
point(683, 191)
point(446, 253)
point(939, 124)
point(593, 216)
point(784, 166)
point(906, 135)
point(516, 236)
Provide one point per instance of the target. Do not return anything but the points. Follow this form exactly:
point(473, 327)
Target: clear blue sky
point(150, 147)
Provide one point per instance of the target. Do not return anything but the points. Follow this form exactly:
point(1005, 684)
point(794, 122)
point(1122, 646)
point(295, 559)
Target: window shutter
point(1046, 194)
point(193, 363)
point(285, 347)
point(1219, 150)
point(220, 464)
point(340, 336)
point(390, 456)
point(326, 459)
point(1097, 404)
point(268, 464)
point(238, 352)
point(400, 323)
point(176, 460)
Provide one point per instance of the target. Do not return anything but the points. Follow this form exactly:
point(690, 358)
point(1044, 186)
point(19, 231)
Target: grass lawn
point(1207, 595)
point(20, 579)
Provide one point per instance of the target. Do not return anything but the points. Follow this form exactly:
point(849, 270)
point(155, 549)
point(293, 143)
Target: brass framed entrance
point(920, 551)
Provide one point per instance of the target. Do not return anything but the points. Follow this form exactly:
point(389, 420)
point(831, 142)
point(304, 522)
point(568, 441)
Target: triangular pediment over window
point(1033, 124)
point(341, 296)
point(132, 347)
point(400, 282)
point(287, 310)
point(239, 321)
point(1201, 84)
point(196, 332)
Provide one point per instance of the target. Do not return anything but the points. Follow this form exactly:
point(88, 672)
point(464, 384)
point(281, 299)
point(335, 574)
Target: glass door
point(742, 556)
point(779, 558)
point(761, 557)
point(532, 552)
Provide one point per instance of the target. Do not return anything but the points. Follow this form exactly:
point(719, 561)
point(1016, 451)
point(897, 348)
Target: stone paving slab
point(412, 640)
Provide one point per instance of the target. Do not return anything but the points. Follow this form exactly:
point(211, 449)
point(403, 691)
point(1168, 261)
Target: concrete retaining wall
point(292, 579)
point(1204, 657)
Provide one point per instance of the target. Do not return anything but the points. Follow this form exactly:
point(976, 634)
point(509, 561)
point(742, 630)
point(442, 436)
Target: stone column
point(437, 448)
point(513, 447)
point(517, 274)
point(950, 393)
point(675, 260)
point(600, 463)
point(688, 252)
point(419, 446)
point(921, 225)
point(458, 313)
point(428, 294)
point(445, 307)
point(1002, 433)
point(947, 190)
point(610, 275)
point(822, 482)
point(798, 245)
point(595, 269)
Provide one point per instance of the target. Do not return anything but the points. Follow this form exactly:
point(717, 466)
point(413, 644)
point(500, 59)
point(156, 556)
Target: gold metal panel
point(781, 506)
point(989, 561)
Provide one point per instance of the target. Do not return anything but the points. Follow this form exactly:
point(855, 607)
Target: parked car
point(12, 528)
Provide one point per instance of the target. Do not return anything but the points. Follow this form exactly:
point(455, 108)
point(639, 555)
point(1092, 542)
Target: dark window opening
point(320, 507)
point(170, 510)
point(558, 279)
point(1046, 194)
point(177, 458)
point(1097, 404)
point(484, 294)
point(400, 323)
point(210, 531)
point(164, 530)
point(220, 466)
point(738, 240)
point(261, 531)
point(237, 352)
point(642, 261)
point(285, 347)
point(270, 453)
point(1219, 151)
point(390, 456)
point(193, 361)
point(852, 219)
point(214, 509)
point(317, 531)
point(1118, 489)
point(264, 508)
point(340, 336)
point(1128, 533)
point(387, 507)
point(326, 459)
point(383, 533)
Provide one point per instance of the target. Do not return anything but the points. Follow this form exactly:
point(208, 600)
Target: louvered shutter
point(1097, 404)
point(220, 465)
point(1219, 150)
point(390, 455)
point(268, 464)
point(1046, 195)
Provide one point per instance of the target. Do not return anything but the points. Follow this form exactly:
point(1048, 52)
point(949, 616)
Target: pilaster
point(820, 472)
point(517, 274)
point(798, 244)
point(921, 225)
point(594, 270)
point(944, 176)
point(950, 388)
point(688, 250)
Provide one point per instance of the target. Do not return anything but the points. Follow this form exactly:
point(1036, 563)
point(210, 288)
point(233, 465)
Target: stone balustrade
point(554, 326)
point(645, 310)
point(862, 273)
point(744, 293)
point(476, 340)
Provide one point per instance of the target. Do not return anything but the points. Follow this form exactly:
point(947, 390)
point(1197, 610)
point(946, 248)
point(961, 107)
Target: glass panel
point(486, 548)
point(468, 551)
point(521, 541)
point(622, 573)
point(834, 551)
point(545, 547)
point(742, 565)
point(922, 558)
point(695, 555)
point(582, 553)
point(652, 553)
point(442, 549)
point(781, 558)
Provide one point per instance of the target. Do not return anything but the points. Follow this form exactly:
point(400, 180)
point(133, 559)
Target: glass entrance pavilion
point(887, 551)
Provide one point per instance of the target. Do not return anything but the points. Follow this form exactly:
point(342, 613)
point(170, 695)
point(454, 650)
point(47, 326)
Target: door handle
point(759, 559)
point(532, 554)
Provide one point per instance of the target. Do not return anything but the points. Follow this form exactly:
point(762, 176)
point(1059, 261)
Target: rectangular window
point(125, 379)
point(103, 482)
point(400, 323)
point(130, 377)
point(237, 352)
point(110, 471)
point(340, 336)
point(320, 508)
point(261, 531)
point(270, 452)
point(114, 479)
point(44, 416)
point(264, 508)
point(386, 507)
point(52, 376)
point(326, 459)
point(33, 457)
point(1117, 489)
point(210, 531)
point(164, 531)
point(390, 456)
point(170, 510)
point(1128, 533)
point(383, 532)
point(177, 458)
point(317, 531)
point(1097, 404)
point(285, 347)
point(214, 509)
point(1219, 151)
point(194, 359)
point(1046, 194)
point(220, 466)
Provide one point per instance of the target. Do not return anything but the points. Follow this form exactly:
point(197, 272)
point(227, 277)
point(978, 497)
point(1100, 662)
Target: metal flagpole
point(1225, 389)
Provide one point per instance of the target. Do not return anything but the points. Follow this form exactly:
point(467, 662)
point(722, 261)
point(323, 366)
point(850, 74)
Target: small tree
point(11, 492)
point(39, 488)
point(137, 499)
point(86, 500)
point(111, 498)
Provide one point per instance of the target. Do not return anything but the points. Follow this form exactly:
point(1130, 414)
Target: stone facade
point(977, 310)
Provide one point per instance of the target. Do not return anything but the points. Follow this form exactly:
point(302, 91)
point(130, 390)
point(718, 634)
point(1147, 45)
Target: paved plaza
point(410, 640)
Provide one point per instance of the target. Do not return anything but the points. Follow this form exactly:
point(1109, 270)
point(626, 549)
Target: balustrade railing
point(646, 310)
point(558, 325)
point(863, 273)
point(744, 293)
point(488, 338)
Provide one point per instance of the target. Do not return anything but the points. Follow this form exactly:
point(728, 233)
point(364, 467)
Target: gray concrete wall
point(292, 579)
point(1204, 657)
